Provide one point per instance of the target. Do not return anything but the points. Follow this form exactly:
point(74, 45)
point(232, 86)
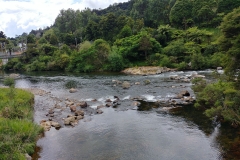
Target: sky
point(18, 16)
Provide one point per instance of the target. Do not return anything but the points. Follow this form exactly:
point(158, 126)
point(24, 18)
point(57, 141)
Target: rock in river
point(99, 111)
point(73, 108)
point(69, 120)
point(79, 113)
point(126, 85)
point(183, 93)
point(73, 90)
point(82, 104)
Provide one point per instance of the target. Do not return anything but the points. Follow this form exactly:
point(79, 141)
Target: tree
point(229, 43)
point(157, 13)
point(108, 27)
point(227, 6)
point(138, 9)
point(204, 11)
point(135, 47)
point(31, 39)
point(53, 39)
point(221, 99)
point(92, 31)
point(125, 32)
point(164, 34)
point(2, 35)
point(181, 13)
point(145, 45)
point(67, 21)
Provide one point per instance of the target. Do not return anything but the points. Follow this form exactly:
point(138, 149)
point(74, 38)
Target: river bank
point(18, 134)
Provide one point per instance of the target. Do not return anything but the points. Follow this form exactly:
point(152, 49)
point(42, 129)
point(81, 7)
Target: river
point(123, 132)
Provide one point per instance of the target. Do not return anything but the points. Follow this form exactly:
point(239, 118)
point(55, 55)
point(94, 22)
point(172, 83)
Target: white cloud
point(18, 16)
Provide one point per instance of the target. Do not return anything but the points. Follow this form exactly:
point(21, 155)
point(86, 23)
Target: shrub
point(198, 61)
point(220, 100)
point(182, 66)
point(115, 62)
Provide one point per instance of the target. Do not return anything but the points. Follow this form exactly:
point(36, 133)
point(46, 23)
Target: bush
point(166, 62)
point(220, 100)
point(182, 66)
point(198, 61)
point(115, 62)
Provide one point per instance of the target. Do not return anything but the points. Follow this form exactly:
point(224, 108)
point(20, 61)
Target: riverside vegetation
point(18, 133)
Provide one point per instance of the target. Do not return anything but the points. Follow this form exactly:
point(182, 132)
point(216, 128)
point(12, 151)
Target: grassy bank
point(18, 133)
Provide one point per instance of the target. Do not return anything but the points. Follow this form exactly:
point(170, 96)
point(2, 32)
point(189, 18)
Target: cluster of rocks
point(77, 108)
point(186, 78)
point(183, 98)
point(47, 124)
point(147, 70)
point(127, 85)
point(110, 103)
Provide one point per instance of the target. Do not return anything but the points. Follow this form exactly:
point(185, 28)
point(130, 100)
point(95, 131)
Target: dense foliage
point(221, 99)
point(173, 33)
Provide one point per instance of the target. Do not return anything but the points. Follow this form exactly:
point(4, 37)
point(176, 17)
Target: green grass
point(18, 133)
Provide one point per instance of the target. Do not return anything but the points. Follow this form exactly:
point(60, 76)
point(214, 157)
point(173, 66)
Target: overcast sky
point(18, 16)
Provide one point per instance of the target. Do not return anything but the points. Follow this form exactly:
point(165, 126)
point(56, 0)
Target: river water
point(124, 132)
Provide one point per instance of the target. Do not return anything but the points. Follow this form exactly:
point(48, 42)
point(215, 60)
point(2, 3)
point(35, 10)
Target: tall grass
point(18, 133)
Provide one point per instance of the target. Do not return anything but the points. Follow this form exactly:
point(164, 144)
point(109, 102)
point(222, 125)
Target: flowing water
point(121, 133)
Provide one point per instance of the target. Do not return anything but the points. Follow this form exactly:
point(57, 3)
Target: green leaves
point(219, 99)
